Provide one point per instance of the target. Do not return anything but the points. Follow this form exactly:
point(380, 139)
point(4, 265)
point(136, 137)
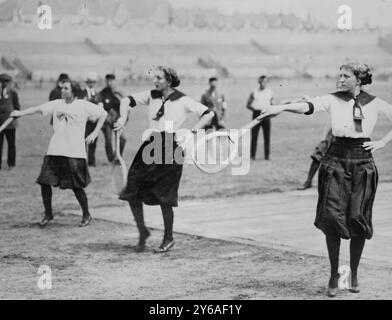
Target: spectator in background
point(215, 101)
point(110, 98)
point(318, 154)
point(91, 95)
point(9, 102)
point(56, 91)
point(260, 98)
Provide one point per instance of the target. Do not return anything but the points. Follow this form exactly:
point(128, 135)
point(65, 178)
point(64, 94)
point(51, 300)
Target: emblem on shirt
point(67, 117)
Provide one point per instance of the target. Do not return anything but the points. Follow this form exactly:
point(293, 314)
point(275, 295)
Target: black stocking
point(46, 192)
point(168, 219)
point(333, 245)
point(82, 199)
point(356, 247)
point(137, 211)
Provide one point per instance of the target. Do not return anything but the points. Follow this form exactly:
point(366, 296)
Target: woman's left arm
point(385, 109)
point(204, 120)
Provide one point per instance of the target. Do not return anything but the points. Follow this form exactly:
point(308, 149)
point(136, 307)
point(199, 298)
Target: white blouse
point(262, 98)
point(341, 113)
point(176, 110)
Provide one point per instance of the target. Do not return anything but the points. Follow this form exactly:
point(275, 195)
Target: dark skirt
point(155, 183)
point(64, 172)
point(347, 186)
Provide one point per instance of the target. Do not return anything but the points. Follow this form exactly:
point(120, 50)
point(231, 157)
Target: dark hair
point(110, 76)
point(62, 77)
point(212, 79)
point(170, 75)
point(75, 88)
point(262, 77)
point(361, 71)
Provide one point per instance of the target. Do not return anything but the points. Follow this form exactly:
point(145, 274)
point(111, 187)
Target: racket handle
point(6, 123)
point(117, 144)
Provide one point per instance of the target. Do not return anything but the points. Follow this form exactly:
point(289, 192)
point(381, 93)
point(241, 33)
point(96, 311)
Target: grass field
point(99, 262)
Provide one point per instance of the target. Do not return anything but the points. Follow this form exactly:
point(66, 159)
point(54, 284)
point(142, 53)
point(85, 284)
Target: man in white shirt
point(65, 164)
point(259, 99)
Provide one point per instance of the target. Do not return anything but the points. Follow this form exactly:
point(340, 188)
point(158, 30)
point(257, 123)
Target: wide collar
point(363, 97)
point(175, 95)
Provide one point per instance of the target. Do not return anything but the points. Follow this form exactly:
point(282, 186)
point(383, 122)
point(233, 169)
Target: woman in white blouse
point(348, 176)
point(155, 180)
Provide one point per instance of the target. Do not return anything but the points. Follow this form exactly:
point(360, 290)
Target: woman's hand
point(184, 138)
point(16, 114)
point(374, 145)
point(119, 124)
point(270, 111)
point(91, 137)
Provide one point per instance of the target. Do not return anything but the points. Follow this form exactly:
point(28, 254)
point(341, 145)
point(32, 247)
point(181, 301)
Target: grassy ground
point(98, 262)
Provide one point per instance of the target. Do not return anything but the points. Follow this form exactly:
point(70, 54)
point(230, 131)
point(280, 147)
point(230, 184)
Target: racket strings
point(215, 151)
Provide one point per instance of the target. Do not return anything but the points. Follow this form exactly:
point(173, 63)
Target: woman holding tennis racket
point(157, 182)
point(65, 163)
point(348, 176)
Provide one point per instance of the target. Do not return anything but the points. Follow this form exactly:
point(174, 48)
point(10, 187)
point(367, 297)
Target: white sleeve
point(93, 111)
point(48, 107)
point(322, 103)
point(384, 108)
point(192, 106)
point(140, 98)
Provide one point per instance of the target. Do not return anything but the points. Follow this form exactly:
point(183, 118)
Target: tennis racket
point(119, 170)
point(215, 151)
point(6, 123)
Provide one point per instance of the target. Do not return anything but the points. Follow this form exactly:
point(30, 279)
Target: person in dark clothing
point(110, 98)
point(90, 94)
point(215, 101)
point(9, 102)
point(318, 154)
point(56, 91)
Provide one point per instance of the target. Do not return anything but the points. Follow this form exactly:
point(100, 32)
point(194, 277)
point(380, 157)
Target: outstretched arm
point(300, 107)
point(26, 112)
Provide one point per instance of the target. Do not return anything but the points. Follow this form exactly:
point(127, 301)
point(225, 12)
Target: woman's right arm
point(26, 112)
point(129, 102)
point(274, 110)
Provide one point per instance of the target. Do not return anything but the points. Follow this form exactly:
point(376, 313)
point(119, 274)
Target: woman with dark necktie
point(348, 176)
point(157, 182)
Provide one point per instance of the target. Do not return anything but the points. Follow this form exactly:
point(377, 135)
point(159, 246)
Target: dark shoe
point(141, 246)
point(354, 289)
point(305, 186)
point(45, 221)
point(354, 286)
point(332, 292)
point(165, 246)
point(85, 222)
point(333, 287)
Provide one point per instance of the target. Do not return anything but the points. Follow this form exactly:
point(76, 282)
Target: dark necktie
point(357, 115)
point(161, 110)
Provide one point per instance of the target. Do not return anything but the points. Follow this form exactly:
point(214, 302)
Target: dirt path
point(99, 262)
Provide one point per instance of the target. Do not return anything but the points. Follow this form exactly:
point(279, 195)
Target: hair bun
point(360, 70)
